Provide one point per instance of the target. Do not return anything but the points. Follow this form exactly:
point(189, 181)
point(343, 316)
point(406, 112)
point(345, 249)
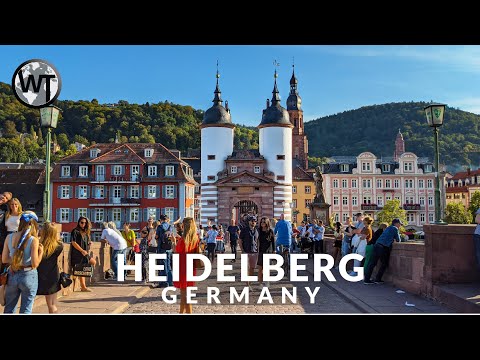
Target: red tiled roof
point(464, 175)
point(300, 174)
point(22, 176)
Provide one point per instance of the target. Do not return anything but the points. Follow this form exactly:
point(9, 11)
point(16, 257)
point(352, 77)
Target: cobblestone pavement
point(326, 300)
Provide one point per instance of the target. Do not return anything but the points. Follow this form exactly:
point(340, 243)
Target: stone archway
point(243, 207)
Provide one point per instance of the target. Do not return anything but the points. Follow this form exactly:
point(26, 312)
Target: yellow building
point(303, 192)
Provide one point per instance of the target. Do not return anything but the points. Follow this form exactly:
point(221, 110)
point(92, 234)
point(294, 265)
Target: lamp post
point(435, 114)
point(49, 118)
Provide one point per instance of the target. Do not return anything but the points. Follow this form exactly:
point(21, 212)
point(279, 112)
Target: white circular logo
point(36, 83)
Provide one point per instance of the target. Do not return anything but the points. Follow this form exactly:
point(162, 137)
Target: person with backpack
point(165, 238)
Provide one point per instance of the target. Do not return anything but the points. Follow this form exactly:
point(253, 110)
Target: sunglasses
point(82, 222)
point(144, 232)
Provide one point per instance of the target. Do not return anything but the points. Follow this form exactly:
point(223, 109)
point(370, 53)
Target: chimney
point(268, 103)
point(468, 171)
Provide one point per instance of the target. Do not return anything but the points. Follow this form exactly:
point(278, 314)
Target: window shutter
point(139, 191)
point(129, 192)
point(111, 169)
point(70, 192)
point(157, 192)
point(139, 215)
point(70, 215)
point(157, 214)
point(122, 216)
point(58, 215)
point(164, 191)
point(77, 191)
point(122, 192)
point(88, 191)
point(145, 214)
point(123, 170)
point(59, 193)
point(89, 215)
point(145, 188)
point(175, 214)
point(175, 191)
point(75, 214)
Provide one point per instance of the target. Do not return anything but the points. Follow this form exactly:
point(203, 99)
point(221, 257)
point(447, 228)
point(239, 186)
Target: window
point(294, 189)
point(354, 201)
point(294, 202)
point(212, 178)
point(386, 167)
point(152, 170)
point(65, 192)
point(99, 215)
point(169, 170)
point(367, 183)
point(396, 183)
point(388, 184)
point(354, 183)
point(421, 183)
point(307, 202)
point(388, 198)
point(280, 157)
point(148, 152)
point(233, 169)
point(430, 218)
point(65, 171)
point(64, 215)
point(344, 167)
point(410, 217)
point(152, 213)
point(398, 197)
point(65, 237)
point(256, 169)
point(169, 192)
point(428, 168)
point(134, 215)
point(170, 212)
point(152, 192)
point(82, 192)
point(335, 200)
point(430, 201)
point(211, 157)
point(366, 166)
point(83, 171)
point(409, 183)
point(335, 183)
point(117, 170)
point(307, 189)
point(344, 183)
point(379, 200)
point(430, 183)
point(99, 192)
point(409, 200)
point(82, 213)
point(94, 153)
point(117, 215)
point(344, 200)
point(344, 217)
point(367, 199)
point(280, 177)
point(379, 183)
point(422, 200)
point(408, 166)
point(422, 217)
point(336, 217)
point(134, 192)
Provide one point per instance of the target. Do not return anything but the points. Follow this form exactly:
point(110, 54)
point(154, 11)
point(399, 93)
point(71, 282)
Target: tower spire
point(217, 100)
point(276, 96)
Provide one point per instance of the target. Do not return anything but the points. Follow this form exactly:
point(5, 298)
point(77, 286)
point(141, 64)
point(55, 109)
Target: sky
point(332, 79)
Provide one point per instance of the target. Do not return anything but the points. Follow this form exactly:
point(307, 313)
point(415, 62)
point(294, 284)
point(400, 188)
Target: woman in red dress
point(187, 244)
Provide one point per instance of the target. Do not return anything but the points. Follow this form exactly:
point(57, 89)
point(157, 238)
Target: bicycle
point(285, 252)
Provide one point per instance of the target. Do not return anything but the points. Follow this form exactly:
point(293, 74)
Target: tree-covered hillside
point(374, 128)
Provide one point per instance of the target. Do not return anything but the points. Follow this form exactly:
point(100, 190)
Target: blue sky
point(332, 79)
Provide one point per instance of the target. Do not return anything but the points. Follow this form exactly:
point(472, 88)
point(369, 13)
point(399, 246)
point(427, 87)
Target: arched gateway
point(243, 207)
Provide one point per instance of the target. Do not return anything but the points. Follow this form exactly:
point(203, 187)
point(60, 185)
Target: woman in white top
point(12, 219)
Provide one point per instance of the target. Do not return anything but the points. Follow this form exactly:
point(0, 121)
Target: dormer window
point(65, 171)
point(233, 169)
point(366, 166)
point(94, 153)
point(428, 168)
point(148, 153)
point(408, 167)
point(386, 167)
point(169, 170)
point(344, 167)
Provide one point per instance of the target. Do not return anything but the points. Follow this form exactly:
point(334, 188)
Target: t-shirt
point(129, 238)
point(116, 241)
point(233, 230)
point(477, 229)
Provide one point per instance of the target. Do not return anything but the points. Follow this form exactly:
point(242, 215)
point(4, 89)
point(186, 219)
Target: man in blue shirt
point(162, 229)
point(283, 232)
point(381, 250)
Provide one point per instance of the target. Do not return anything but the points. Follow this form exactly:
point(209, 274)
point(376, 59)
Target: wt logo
point(36, 83)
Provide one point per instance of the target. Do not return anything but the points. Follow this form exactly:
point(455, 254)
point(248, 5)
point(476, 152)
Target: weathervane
point(276, 64)
point(218, 74)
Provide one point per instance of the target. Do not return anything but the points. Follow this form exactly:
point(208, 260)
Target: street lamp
point(49, 118)
point(435, 114)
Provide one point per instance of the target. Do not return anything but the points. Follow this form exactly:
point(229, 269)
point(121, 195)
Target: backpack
point(166, 239)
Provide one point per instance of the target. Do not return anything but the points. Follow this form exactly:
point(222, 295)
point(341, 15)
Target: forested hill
point(175, 126)
point(374, 128)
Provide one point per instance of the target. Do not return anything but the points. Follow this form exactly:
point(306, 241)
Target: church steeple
point(217, 115)
point(294, 101)
point(276, 94)
point(399, 146)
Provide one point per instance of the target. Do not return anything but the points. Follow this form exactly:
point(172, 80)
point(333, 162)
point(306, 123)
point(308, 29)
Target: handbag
point(84, 269)
point(2, 295)
point(197, 263)
point(4, 277)
point(65, 280)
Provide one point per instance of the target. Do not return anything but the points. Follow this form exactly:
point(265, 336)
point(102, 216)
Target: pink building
point(364, 183)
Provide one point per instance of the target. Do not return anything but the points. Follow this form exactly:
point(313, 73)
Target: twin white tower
point(275, 141)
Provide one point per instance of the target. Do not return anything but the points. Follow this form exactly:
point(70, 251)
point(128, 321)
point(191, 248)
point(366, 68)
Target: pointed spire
point(276, 96)
point(217, 100)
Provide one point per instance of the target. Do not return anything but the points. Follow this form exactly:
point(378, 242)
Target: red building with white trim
point(121, 183)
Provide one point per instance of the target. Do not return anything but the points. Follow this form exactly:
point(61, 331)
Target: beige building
point(303, 192)
point(461, 187)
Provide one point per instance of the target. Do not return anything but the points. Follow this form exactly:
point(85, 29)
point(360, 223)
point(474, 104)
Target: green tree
point(392, 210)
point(456, 213)
point(10, 130)
point(313, 162)
point(63, 141)
point(474, 204)
point(33, 135)
point(40, 137)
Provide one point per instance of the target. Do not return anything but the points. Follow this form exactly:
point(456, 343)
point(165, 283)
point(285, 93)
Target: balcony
point(370, 207)
point(133, 179)
point(115, 201)
point(411, 207)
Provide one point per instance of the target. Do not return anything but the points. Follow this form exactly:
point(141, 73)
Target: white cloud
point(471, 104)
